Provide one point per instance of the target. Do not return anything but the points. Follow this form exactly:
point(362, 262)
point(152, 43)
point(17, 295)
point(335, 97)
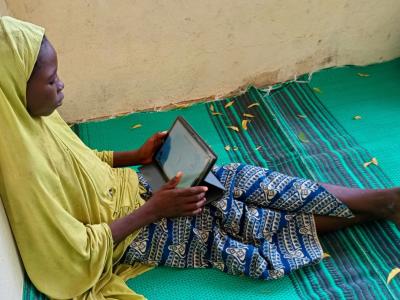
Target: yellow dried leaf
point(392, 274)
point(302, 116)
point(302, 137)
point(181, 105)
point(363, 74)
point(229, 104)
point(227, 147)
point(254, 104)
point(249, 115)
point(258, 148)
point(357, 118)
point(372, 161)
point(235, 148)
point(136, 126)
point(325, 255)
point(216, 113)
point(317, 90)
point(244, 124)
point(233, 128)
point(366, 164)
point(212, 107)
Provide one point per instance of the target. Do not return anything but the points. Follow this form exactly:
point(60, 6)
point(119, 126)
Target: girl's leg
point(366, 204)
point(198, 242)
point(272, 190)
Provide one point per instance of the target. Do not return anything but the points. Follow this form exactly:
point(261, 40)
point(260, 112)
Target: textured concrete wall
point(3, 8)
point(140, 54)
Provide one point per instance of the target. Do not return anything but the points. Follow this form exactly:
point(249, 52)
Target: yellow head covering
point(55, 190)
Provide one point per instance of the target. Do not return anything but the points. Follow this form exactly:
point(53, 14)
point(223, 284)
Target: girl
point(80, 220)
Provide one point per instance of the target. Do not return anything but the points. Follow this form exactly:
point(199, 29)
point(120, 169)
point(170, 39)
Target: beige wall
point(3, 8)
point(128, 55)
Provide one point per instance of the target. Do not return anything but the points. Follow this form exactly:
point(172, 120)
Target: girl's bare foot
point(366, 204)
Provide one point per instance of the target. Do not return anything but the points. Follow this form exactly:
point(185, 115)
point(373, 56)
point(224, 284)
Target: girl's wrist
point(151, 211)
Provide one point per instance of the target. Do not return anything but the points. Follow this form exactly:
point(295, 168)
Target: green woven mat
point(301, 132)
point(375, 97)
point(162, 283)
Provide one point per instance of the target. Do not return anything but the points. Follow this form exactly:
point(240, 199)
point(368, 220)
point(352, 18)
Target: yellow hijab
point(54, 189)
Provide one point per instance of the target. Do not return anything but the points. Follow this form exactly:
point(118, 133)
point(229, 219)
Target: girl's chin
point(60, 99)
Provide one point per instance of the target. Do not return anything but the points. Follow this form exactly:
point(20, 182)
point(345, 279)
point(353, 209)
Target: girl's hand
point(170, 201)
point(147, 151)
point(142, 156)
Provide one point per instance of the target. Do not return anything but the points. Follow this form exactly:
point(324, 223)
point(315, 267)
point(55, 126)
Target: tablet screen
point(182, 151)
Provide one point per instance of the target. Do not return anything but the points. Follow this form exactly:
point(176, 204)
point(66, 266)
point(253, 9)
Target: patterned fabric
point(262, 227)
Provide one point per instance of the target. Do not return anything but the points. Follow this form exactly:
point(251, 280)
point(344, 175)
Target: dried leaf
point(366, 164)
point(363, 74)
point(258, 148)
point(244, 124)
point(136, 126)
point(229, 104)
point(227, 147)
point(249, 115)
point(302, 137)
point(373, 161)
point(325, 255)
point(181, 105)
point(235, 148)
point(212, 107)
point(216, 113)
point(357, 118)
point(392, 274)
point(233, 128)
point(317, 90)
point(302, 116)
point(254, 104)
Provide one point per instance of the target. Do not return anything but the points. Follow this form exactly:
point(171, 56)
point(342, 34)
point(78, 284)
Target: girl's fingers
point(192, 200)
point(192, 191)
point(174, 181)
point(202, 202)
point(194, 206)
point(197, 211)
point(160, 136)
point(192, 212)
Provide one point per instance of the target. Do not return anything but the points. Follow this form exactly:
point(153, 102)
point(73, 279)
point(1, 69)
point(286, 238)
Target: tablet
point(184, 150)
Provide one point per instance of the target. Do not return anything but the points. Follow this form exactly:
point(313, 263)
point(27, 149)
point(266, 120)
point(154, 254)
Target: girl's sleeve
point(72, 260)
point(106, 156)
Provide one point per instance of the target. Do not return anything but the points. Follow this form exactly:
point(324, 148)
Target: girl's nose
point(60, 86)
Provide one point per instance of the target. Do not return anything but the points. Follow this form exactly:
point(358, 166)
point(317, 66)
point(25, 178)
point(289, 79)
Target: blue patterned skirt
point(262, 227)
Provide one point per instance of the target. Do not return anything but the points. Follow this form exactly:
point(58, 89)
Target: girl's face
point(43, 92)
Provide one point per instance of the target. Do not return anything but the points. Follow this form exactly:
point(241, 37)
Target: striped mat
point(292, 130)
point(300, 137)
